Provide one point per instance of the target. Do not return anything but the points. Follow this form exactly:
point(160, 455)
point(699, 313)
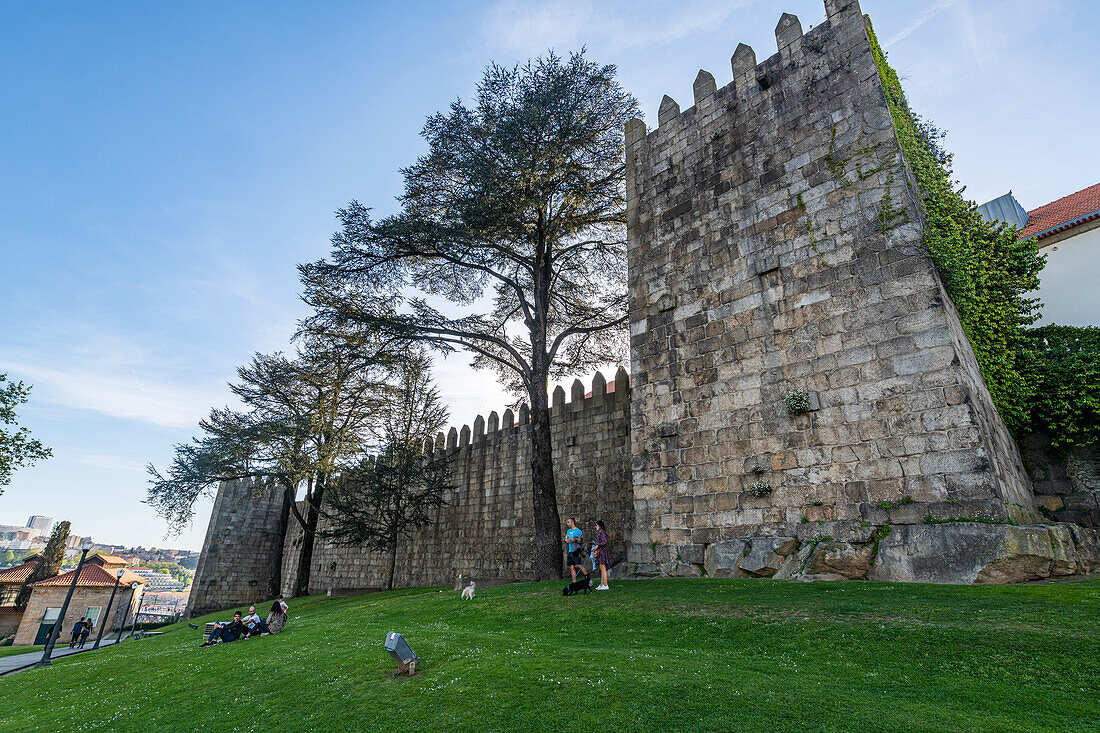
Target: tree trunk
point(548, 553)
point(284, 521)
point(393, 563)
point(309, 534)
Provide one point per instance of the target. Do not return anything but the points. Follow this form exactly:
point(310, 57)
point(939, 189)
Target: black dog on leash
point(582, 583)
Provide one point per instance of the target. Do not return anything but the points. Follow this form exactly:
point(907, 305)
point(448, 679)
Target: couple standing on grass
point(599, 555)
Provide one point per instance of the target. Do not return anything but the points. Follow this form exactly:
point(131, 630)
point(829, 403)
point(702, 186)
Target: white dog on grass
point(468, 592)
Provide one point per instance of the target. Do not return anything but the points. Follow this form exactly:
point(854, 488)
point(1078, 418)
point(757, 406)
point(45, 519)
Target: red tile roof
point(1066, 212)
point(19, 573)
point(91, 575)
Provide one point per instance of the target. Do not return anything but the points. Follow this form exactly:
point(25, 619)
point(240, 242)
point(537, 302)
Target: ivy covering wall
point(1063, 370)
point(989, 274)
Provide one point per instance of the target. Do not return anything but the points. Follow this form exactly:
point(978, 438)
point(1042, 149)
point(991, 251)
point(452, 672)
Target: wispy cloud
point(519, 27)
point(118, 393)
point(926, 15)
point(104, 460)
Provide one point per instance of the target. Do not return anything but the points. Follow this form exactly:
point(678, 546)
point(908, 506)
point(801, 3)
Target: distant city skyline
point(169, 165)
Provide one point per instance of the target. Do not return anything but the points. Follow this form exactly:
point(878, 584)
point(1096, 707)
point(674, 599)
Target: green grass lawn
point(7, 651)
point(658, 655)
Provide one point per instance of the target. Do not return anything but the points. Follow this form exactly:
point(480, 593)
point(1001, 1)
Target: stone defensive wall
point(486, 530)
point(243, 548)
point(803, 402)
point(775, 248)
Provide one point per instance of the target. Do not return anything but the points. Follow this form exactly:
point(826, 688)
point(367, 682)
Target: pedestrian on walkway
point(77, 628)
point(84, 633)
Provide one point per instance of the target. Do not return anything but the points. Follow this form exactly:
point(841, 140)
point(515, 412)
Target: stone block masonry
point(243, 549)
point(775, 247)
point(804, 401)
point(486, 531)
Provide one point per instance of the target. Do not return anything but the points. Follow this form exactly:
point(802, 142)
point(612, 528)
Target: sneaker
point(602, 587)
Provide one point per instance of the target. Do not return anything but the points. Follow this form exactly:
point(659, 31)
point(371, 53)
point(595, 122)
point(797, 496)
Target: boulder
point(840, 559)
point(721, 558)
point(766, 555)
point(973, 552)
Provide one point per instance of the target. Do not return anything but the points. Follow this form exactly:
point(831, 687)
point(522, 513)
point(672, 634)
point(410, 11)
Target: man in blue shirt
point(573, 537)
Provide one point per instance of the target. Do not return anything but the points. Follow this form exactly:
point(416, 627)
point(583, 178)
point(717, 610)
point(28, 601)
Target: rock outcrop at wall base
point(985, 553)
point(950, 552)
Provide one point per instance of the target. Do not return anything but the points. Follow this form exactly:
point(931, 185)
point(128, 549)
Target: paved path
point(20, 662)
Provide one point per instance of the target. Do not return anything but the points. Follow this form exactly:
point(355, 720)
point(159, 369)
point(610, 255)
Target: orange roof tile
point(19, 573)
point(91, 575)
point(1066, 212)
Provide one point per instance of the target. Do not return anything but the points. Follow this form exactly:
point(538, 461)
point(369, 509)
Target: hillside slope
point(675, 654)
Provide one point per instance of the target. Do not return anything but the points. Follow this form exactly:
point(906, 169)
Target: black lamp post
point(126, 615)
point(141, 600)
point(56, 631)
point(107, 616)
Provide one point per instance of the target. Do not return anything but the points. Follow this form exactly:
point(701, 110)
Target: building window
point(8, 594)
point(52, 614)
point(93, 614)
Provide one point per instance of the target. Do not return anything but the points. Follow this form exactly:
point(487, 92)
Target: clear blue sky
point(164, 166)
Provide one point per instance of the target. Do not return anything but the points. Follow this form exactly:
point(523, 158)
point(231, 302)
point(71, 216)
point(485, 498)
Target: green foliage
point(177, 572)
point(9, 559)
point(986, 270)
point(17, 448)
point(1064, 371)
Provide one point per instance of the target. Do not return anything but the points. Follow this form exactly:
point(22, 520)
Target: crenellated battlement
point(494, 428)
point(749, 78)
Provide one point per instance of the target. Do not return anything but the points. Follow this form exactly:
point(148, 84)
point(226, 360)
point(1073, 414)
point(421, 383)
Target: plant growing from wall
point(759, 488)
point(987, 272)
point(797, 401)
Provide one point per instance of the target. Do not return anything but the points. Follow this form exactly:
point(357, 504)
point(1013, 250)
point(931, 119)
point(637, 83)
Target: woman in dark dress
point(603, 557)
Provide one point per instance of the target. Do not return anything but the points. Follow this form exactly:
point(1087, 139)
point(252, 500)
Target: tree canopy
point(17, 447)
point(516, 217)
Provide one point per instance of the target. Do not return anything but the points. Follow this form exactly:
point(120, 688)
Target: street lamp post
point(126, 615)
point(56, 631)
point(141, 599)
point(107, 616)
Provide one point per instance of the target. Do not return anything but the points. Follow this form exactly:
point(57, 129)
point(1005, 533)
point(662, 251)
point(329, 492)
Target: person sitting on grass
point(255, 624)
point(276, 617)
point(226, 632)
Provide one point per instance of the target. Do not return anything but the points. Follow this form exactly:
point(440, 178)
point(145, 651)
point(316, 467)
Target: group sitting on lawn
point(244, 627)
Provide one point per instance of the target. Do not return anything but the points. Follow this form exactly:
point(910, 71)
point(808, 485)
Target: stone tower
point(243, 549)
point(775, 247)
